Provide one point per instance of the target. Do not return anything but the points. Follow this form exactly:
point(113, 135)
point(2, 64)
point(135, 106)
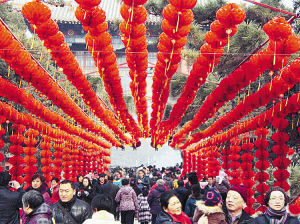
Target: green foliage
point(155, 7)
point(206, 14)
point(177, 84)
point(196, 37)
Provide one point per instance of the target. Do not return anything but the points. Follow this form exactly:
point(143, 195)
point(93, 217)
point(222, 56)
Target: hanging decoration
point(213, 165)
point(57, 161)
point(20, 96)
point(67, 161)
point(247, 175)
point(225, 158)
point(99, 44)
point(200, 165)
point(277, 86)
point(46, 158)
point(233, 83)
point(175, 27)
point(281, 162)
point(222, 29)
point(17, 139)
point(235, 165)
point(48, 32)
point(261, 165)
point(2, 132)
point(19, 59)
point(30, 159)
point(133, 31)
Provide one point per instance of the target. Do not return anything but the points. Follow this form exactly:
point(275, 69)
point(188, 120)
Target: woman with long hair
point(85, 191)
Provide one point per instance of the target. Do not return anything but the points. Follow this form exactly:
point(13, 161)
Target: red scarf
point(182, 218)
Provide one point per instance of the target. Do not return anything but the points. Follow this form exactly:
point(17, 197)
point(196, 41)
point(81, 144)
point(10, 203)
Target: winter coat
point(111, 190)
point(262, 219)
point(153, 199)
point(190, 206)
point(45, 191)
point(223, 187)
point(41, 215)
point(182, 193)
point(79, 209)
point(10, 202)
point(244, 219)
point(144, 214)
point(55, 195)
point(101, 217)
point(145, 182)
point(127, 199)
point(215, 214)
point(85, 194)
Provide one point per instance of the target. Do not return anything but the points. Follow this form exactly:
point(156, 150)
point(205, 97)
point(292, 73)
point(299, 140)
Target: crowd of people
point(147, 194)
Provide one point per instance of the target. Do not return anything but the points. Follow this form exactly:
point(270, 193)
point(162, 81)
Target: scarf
point(276, 217)
point(182, 218)
point(68, 205)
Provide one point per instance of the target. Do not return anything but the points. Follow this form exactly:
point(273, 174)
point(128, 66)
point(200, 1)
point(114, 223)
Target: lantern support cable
point(272, 8)
point(81, 111)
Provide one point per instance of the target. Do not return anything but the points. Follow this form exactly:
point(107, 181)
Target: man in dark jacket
point(37, 212)
point(182, 193)
point(153, 199)
point(111, 190)
point(10, 201)
point(235, 202)
point(69, 209)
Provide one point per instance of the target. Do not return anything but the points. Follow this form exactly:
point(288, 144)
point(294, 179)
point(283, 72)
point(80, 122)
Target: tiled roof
point(67, 13)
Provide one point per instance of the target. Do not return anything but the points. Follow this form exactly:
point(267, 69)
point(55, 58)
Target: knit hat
point(241, 190)
point(160, 182)
point(268, 194)
point(212, 197)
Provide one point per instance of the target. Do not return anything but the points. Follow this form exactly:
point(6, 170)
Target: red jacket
point(55, 196)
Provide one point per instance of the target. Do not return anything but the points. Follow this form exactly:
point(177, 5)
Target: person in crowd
point(221, 183)
point(134, 186)
point(102, 206)
point(154, 178)
point(54, 190)
point(69, 209)
point(195, 197)
point(95, 179)
point(211, 207)
point(128, 202)
point(144, 215)
point(79, 181)
point(98, 185)
point(10, 201)
point(168, 180)
point(171, 210)
point(153, 199)
point(111, 190)
point(38, 184)
point(37, 212)
point(276, 201)
point(85, 191)
point(90, 175)
point(142, 180)
point(235, 202)
point(182, 193)
point(192, 179)
point(117, 179)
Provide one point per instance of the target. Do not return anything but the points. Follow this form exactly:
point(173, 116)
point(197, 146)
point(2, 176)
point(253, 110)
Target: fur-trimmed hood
point(208, 209)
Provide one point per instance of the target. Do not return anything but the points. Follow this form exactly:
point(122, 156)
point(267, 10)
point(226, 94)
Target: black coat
point(182, 193)
point(262, 219)
point(10, 202)
point(79, 209)
point(245, 219)
point(111, 190)
point(164, 218)
point(153, 199)
point(85, 194)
